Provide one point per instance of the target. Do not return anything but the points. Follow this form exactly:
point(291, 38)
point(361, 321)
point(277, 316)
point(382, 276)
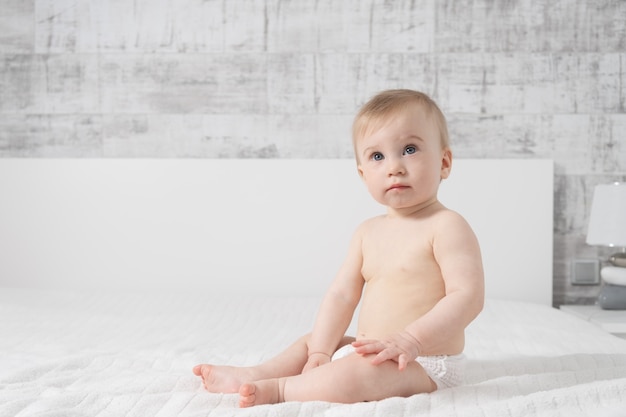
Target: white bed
point(117, 276)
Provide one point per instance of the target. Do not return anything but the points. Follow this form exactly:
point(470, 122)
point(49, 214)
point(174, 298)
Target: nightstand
point(611, 321)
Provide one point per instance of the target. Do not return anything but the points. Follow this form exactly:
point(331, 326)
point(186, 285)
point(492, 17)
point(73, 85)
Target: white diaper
point(445, 370)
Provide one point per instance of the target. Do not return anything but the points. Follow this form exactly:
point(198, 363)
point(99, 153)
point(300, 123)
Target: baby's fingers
point(364, 347)
point(385, 355)
point(365, 342)
point(402, 362)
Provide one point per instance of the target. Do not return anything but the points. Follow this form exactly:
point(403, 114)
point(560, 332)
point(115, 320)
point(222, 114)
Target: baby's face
point(401, 159)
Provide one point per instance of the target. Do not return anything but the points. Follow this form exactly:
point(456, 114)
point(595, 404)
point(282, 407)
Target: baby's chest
point(396, 256)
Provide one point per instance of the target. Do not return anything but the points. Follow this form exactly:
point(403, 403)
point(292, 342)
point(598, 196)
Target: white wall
point(245, 226)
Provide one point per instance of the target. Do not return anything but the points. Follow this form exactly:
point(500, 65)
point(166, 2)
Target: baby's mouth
point(397, 187)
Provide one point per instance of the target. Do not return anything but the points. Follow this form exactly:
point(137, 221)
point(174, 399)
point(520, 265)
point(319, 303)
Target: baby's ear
point(446, 163)
point(360, 171)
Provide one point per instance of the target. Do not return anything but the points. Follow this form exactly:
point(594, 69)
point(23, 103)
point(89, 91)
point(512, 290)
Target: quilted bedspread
point(131, 354)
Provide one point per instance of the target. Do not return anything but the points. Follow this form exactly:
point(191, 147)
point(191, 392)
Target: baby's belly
point(391, 306)
point(384, 311)
point(382, 316)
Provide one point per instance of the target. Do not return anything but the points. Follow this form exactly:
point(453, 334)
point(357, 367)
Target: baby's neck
point(413, 211)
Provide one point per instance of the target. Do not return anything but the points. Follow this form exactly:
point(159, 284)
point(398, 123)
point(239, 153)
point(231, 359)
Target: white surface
point(614, 275)
point(253, 226)
point(99, 354)
point(607, 223)
point(612, 321)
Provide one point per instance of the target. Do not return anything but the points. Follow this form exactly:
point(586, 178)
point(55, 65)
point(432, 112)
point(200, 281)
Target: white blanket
point(106, 354)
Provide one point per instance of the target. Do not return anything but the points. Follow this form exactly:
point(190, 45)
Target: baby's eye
point(410, 150)
point(377, 156)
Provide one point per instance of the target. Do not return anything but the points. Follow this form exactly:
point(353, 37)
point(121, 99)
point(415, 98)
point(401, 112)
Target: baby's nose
point(396, 167)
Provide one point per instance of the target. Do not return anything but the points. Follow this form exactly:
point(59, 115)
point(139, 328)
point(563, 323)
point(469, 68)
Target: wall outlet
point(585, 272)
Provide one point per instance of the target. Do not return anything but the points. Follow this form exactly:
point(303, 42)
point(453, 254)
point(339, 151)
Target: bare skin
point(350, 379)
point(418, 268)
point(224, 379)
point(347, 380)
point(228, 379)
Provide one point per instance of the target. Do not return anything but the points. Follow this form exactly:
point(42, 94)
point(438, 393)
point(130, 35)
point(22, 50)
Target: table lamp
point(607, 227)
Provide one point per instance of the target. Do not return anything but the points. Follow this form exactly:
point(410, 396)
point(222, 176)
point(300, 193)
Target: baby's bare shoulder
point(445, 215)
point(371, 222)
point(452, 226)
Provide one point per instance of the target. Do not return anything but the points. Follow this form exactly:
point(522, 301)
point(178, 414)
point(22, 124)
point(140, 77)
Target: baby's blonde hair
point(390, 102)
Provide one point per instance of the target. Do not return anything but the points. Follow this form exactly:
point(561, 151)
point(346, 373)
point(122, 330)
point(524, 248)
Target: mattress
point(106, 354)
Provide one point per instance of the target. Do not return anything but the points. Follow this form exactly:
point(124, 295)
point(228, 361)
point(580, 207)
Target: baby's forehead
point(374, 122)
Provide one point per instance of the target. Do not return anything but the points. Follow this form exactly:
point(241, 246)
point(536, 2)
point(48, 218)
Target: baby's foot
point(267, 391)
point(223, 379)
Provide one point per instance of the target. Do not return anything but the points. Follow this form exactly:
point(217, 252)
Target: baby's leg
point(348, 380)
point(228, 379)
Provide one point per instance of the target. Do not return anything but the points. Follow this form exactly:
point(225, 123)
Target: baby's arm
point(337, 307)
point(457, 252)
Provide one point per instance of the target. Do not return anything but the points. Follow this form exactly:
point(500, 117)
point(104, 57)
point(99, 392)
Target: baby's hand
point(316, 359)
point(401, 347)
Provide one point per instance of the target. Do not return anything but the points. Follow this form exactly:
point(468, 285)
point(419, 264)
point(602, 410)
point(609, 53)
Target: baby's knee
point(357, 368)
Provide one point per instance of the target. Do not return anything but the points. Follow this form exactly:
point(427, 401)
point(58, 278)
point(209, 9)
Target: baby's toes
point(247, 395)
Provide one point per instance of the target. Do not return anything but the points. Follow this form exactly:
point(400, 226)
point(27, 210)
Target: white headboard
point(254, 226)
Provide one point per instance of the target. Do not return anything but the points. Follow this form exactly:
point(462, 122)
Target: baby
point(418, 269)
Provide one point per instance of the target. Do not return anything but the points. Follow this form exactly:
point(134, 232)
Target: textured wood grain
point(16, 24)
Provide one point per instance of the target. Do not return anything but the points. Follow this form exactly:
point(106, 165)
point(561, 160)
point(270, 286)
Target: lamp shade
point(607, 223)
